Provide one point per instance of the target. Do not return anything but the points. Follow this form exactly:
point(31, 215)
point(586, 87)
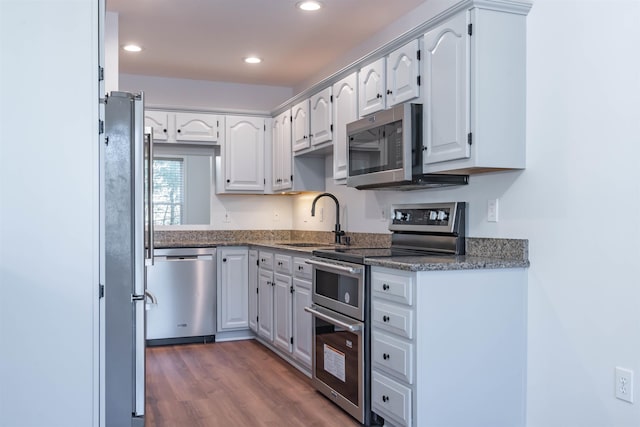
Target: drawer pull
point(300, 268)
point(385, 318)
point(385, 398)
point(385, 287)
point(385, 356)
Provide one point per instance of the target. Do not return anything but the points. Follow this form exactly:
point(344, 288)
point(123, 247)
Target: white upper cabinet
point(403, 74)
point(474, 102)
point(446, 106)
point(345, 110)
point(158, 121)
point(243, 153)
point(300, 125)
point(391, 80)
point(321, 120)
point(371, 87)
point(190, 128)
point(281, 152)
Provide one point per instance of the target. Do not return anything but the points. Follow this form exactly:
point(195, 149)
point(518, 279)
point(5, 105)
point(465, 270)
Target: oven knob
point(398, 215)
point(441, 215)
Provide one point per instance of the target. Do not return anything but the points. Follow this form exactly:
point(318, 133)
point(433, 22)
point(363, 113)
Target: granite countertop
point(481, 253)
point(453, 262)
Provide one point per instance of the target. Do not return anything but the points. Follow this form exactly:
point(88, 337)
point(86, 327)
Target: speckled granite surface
point(481, 253)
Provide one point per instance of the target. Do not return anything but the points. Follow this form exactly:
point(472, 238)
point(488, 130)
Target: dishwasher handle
point(184, 257)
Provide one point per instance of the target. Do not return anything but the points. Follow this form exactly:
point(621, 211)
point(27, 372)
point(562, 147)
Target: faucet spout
point(338, 232)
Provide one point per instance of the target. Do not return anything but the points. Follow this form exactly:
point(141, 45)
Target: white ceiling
point(207, 39)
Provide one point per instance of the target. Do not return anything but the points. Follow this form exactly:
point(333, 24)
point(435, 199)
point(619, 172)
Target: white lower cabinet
point(448, 348)
point(253, 290)
point(282, 304)
point(265, 296)
point(391, 399)
point(233, 287)
point(284, 290)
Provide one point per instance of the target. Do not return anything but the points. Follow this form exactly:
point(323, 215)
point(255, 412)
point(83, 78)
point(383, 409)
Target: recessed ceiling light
point(309, 5)
point(132, 48)
point(252, 60)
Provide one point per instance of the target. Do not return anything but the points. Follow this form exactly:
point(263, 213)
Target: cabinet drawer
point(397, 287)
point(393, 356)
point(266, 260)
point(391, 399)
point(392, 318)
point(283, 264)
point(301, 269)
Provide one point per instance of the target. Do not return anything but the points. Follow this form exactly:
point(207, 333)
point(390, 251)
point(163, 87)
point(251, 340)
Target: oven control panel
point(432, 217)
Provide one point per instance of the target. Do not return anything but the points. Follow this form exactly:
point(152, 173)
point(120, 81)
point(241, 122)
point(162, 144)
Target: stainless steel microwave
point(385, 152)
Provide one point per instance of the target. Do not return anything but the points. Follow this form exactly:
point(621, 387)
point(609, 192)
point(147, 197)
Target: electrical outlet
point(383, 215)
point(226, 217)
point(624, 384)
point(492, 210)
point(276, 216)
point(321, 214)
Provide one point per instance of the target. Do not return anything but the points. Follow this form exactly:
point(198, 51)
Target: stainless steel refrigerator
point(128, 246)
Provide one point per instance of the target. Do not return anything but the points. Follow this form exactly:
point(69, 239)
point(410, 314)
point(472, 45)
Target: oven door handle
point(350, 270)
point(333, 320)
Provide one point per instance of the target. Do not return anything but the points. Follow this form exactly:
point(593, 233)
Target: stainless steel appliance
point(183, 284)
point(340, 336)
point(385, 152)
point(126, 159)
point(341, 299)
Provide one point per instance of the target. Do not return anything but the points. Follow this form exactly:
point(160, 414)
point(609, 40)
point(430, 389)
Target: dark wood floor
point(229, 384)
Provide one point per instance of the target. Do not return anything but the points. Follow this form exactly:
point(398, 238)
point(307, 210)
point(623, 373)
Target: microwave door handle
point(350, 270)
point(333, 321)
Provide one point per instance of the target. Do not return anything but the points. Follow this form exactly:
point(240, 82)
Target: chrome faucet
point(339, 233)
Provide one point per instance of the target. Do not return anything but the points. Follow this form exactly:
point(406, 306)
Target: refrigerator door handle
point(148, 138)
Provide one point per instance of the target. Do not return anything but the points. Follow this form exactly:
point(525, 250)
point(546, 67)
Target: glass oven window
point(337, 359)
point(338, 287)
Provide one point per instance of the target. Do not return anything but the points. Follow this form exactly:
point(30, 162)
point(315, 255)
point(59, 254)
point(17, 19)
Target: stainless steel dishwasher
point(182, 284)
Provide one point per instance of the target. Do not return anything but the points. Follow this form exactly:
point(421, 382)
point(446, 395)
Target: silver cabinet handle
point(333, 321)
point(352, 270)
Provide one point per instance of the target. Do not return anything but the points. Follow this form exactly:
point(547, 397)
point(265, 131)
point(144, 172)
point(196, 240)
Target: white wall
point(49, 249)
point(578, 203)
point(205, 95)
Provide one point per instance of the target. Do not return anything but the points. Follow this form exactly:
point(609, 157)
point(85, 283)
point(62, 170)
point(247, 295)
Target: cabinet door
point(281, 140)
point(233, 304)
point(193, 127)
point(403, 74)
point(282, 312)
point(159, 122)
point(302, 327)
point(345, 110)
point(321, 117)
point(446, 82)
point(244, 153)
point(371, 87)
point(253, 290)
point(265, 304)
point(300, 125)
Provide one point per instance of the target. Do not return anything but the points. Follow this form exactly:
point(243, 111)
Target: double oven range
point(341, 299)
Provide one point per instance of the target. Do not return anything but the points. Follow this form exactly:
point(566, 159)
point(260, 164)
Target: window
point(168, 191)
